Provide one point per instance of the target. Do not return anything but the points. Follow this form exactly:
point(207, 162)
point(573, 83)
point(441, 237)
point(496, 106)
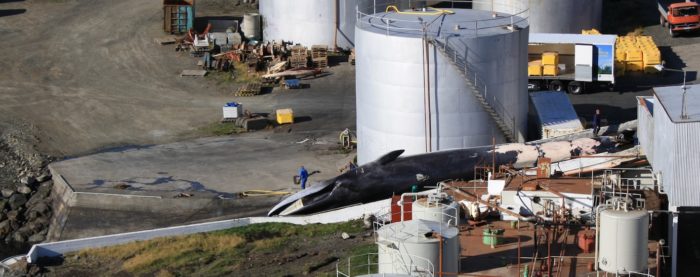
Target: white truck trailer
point(583, 61)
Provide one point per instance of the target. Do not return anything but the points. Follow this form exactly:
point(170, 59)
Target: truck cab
point(680, 17)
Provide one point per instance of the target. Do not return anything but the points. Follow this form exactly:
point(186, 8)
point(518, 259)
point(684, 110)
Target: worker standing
point(303, 176)
point(596, 122)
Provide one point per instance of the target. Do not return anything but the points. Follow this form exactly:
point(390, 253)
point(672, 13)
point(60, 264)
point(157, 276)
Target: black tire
point(556, 85)
point(662, 21)
point(575, 88)
point(536, 86)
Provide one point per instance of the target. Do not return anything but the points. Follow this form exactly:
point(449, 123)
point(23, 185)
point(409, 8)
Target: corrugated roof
point(671, 98)
point(555, 110)
point(572, 38)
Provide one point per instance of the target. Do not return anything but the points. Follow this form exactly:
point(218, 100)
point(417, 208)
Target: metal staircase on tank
point(504, 121)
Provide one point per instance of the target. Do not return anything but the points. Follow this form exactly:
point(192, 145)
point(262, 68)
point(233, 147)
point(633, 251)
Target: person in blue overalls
point(303, 176)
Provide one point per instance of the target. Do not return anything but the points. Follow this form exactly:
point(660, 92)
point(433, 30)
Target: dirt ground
point(89, 75)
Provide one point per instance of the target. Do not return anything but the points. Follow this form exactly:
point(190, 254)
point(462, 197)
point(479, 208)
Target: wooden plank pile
point(299, 57)
point(250, 89)
point(319, 56)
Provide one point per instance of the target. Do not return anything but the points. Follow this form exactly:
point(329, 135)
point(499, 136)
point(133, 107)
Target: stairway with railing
point(500, 115)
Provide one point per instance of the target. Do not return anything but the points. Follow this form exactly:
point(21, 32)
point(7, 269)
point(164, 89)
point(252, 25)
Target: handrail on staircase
point(472, 76)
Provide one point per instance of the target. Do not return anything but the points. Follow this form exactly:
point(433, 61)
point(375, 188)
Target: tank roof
point(416, 231)
point(671, 99)
point(463, 23)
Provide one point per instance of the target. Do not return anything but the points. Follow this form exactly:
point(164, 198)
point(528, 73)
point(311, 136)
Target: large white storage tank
point(553, 16)
point(390, 82)
point(413, 247)
point(623, 241)
point(309, 22)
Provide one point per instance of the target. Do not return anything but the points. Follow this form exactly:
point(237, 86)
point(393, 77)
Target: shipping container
point(178, 16)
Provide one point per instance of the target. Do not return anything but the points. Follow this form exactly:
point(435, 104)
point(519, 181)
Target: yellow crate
point(634, 66)
point(633, 55)
point(620, 55)
point(550, 70)
point(550, 58)
point(285, 116)
point(534, 68)
point(619, 68)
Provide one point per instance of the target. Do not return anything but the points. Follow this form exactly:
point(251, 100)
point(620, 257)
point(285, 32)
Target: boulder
point(16, 201)
point(43, 177)
point(36, 238)
point(18, 237)
point(4, 228)
point(3, 203)
point(7, 192)
point(24, 189)
point(28, 180)
point(13, 215)
point(41, 193)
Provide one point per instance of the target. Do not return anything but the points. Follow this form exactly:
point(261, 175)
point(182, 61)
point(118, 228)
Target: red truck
point(679, 16)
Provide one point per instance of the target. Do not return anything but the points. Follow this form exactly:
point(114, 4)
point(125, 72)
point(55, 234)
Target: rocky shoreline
point(25, 189)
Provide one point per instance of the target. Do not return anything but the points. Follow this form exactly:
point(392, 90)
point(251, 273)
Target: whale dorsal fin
point(390, 157)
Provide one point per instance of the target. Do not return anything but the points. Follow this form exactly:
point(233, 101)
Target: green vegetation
point(221, 129)
point(233, 250)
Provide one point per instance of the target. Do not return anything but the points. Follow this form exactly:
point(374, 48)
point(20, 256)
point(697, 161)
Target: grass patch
point(363, 260)
point(217, 253)
point(240, 75)
point(221, 129)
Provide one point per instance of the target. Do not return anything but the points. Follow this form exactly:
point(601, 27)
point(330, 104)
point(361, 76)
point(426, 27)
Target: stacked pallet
point(299, 57)
point(550, 63)
point(250, 89)
point(636, 53)
point(319, 56)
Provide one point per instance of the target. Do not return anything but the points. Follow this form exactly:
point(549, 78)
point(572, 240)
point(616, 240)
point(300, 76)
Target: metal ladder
point(504, 121)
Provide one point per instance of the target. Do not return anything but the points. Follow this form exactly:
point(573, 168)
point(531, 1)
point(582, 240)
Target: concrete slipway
point(137, 188)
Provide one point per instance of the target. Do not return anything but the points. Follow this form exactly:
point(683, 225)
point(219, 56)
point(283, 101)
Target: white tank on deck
point(553, 16)
point(624, 236)
point(436, 208)
point(413, 247)
point(390, 87)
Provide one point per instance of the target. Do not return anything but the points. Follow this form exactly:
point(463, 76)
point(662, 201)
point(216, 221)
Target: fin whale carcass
point(393, 174)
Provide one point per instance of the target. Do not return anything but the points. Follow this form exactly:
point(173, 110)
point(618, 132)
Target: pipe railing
point(420, 267)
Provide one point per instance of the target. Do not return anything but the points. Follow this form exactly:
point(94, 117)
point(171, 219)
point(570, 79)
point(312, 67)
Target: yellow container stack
point(550, 70)
point(550, 63)
point(636, 53)
point(534, 68)
point(590, 32)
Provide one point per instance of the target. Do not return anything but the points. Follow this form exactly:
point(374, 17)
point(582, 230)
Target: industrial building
point(553, 16)
point(669, 127)
point(437, 80)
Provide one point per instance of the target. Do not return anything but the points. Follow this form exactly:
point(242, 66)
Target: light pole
point(660, 67)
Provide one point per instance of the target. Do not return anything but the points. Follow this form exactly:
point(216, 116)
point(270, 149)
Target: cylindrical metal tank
point(411, 247)
point(436, 209)
point(309, 22)
point(251, 26)
point(623, 241)
point(553, 16)
point(390, 84)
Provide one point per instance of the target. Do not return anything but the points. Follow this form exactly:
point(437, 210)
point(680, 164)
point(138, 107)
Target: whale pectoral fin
point(390, 157)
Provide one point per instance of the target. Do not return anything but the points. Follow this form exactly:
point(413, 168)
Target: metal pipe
point(426, 91)
point(336, 25)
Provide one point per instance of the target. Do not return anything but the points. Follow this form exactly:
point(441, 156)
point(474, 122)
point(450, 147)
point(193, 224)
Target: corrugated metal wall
point(645, 127)
point(678, 146)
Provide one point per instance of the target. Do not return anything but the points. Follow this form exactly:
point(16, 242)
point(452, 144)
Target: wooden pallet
point(251, 89)
point(319, 51)
point(297, 61)
point(299, 51)
point(320, 62)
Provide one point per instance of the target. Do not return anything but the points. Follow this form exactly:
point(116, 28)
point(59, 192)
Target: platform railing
point(372, 13)
point(364, 266)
